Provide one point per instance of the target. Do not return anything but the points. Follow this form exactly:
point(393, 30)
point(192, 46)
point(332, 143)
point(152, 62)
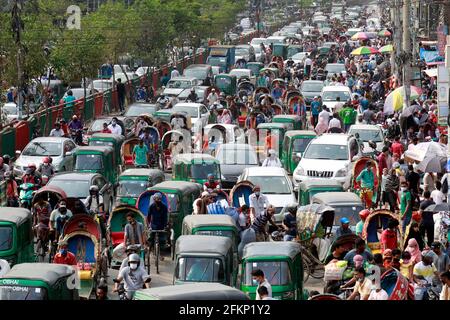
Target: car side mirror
point(18, 152)
point(68, 153)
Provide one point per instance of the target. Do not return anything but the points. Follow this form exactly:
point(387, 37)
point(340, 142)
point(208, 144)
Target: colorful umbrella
point(360, 36)
point(364, 50)
point(394, 101)
point(384, 33)
point(387, 48)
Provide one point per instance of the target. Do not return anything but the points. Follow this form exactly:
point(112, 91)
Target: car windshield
point(132, 188)
point(239, 73)
point(237, 156)
point(223, 82)
point(216, 61)
point(277, 273)
point(6, 238)
point(348, 211)
point(192, 111)
point(272, 184)
point(136, 111)
point(185, 93)
point(72, 188)
point(200, 269)
point(241, 51)
point(201, 171)
point(312, 86)
point(40, 149)
point(199, 73)
point(220, 233)
point(326, 152)
point(101, 143)
point(332, 95)
point(89, 162)
point(300, 145)
point(179, 84)
point(335, 68)
point(366, 135)
point(22, 293)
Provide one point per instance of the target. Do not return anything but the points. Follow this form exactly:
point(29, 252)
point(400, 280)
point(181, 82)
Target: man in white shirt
point(212, 97)
point(437, 195)
point(174, 73)
point(57, 131)
point(308, 64)
point(378, 293)
point(258, 276)
point(264, 293)
point(339, 105)
point(334, 122)
point(272, 160)
point(114, 127)
point(257, 203)
point(325, 114)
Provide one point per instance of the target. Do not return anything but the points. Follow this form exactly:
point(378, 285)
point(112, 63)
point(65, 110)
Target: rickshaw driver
point(41, 219)
point(94, 202)
point(134, 231)
point(158, 218)
point(64, 256)
point(211, 183)
point(133, 277)
point(141, 155)
point(367, 184)
point(149, 142)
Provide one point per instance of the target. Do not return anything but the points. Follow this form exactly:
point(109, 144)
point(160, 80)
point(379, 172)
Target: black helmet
point(292, 208)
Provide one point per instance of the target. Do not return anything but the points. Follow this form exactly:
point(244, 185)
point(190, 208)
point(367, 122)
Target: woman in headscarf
point(414, 250)
point(321, 127)
point(414, 233)
point(225, 118)
point(358, 260)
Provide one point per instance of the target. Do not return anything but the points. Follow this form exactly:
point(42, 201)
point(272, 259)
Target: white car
point(176, 85)
point(198, 112)
point(11, 111)
point(336, 68)
point(123, 77)
point(366, 133)
point(101, 85)
point(274, 183)
point(298, 57)
point(328, 156)
point(329, 95)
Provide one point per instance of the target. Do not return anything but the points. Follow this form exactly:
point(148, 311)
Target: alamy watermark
point(74, 19)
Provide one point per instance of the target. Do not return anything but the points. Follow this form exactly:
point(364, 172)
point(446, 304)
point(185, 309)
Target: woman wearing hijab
point(225, 118)
point(414, 233)
point(321, 127)
point(414, 250)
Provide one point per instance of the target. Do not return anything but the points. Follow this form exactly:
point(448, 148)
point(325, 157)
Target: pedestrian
point(315, 110)
point(105, 128)
point(259, 225)
point(348, 115)
point(378, 293)
point(405, 205)
point(360, 248)
point(437, 195)
point(259, 277)
point(406, 265)
point(440, 259)
point(57, 131)
point(289, 224)
point(121, 92)
point(272, 160)
point(114, 126)
point(344, 228)
point(64, 256)
point(174, 73)
point(363, 214)
point(264, 293)
point(414, 249)
point(244, 217)
point(445, 292)
point(258, 202)
point(427, 222)
point(389, 236)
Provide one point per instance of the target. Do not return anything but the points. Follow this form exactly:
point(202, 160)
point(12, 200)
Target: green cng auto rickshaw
point(212, 225)
point(114, 141)
point(191, 291)
point(282, 265)
point(97, 159)
point(281, 50)
point(226, 83)
point(195, 167)
point(255, 67)
point(16, 236)
point(293, 121)
point(277, 132)
point(132, 182)
point(39, 281)
point(205, 259)
point(308, 188)
point(294, 49)
point(180, 195)
point(294, 144)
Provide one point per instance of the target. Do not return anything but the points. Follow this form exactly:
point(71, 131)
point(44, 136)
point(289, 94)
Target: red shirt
point(106, 130)
point(382, 163)
point(397, 148)
point(69, 259)
point(11, 189)
point(389, 239)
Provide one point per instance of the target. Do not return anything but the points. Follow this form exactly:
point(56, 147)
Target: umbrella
point(438, 207)
point(387, 48)
point(431, 156)
point(394, 101)
point(384, 33)
point(360, 36)
point(364, 50)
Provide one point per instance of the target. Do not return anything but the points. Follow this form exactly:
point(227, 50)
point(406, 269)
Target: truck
point(222, 56)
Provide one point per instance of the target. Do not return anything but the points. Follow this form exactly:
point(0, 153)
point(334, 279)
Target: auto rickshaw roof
point(268, 249)
point(286, 116)
point(107, 136)
point(183, 186)
point(194, 291)
point(311, 183)
point(138, 172)
point(95, 149)
point(226, 75)
point(331, 198)
point(14, 215)
point(294, 133)
point(272, 125)
point(47, 272)
point(209, 220)
point(195, 158)
point(197, 244)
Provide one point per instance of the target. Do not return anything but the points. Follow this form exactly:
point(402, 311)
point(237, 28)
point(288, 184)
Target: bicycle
point(156, 247)
point(42, 242)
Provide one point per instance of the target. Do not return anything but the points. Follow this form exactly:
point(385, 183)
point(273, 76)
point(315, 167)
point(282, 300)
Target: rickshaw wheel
point(147, 260)
point(306, 270)
point(172, 249)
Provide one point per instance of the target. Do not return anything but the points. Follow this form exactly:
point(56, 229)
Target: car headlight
point(341, 173)
point(299, 171)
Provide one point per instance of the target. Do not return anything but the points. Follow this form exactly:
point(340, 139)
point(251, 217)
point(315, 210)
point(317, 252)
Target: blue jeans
point(405, 223)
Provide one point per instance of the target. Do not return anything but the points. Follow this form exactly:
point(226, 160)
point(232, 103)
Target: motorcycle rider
point(134, 278)
point(32, 176)
point(57, 131)
point(76, 129)
point(192, 96)
point(3, 168)
point(46, 168)
point(94, 202)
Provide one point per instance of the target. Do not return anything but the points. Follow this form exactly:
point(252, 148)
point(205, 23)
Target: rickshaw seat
point(117, 238)
point(128, 160)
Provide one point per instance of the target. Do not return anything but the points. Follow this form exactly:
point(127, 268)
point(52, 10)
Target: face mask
point(255, 282)
point(257, 193)
point(361, 280)
point(403, 189)
point(63, 252)
point(133, 266)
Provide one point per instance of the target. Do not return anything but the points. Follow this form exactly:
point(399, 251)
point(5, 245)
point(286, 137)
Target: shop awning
point(431, 72)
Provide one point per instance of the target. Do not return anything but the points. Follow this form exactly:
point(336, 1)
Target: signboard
point(442, 39)
point(443, 94)
point(218, 52)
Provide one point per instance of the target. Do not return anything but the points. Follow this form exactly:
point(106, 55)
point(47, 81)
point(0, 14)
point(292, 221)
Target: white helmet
point(134, 258)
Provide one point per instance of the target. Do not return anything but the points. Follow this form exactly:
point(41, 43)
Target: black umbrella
point(438, 207)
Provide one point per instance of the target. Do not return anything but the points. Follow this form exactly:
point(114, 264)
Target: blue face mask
point(63, 252)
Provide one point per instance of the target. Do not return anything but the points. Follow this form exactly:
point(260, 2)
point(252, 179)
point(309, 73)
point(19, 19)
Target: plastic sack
point(334, 270)
point(119, 253)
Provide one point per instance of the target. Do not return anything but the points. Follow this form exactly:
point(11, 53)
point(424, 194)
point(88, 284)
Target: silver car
point(60, 149)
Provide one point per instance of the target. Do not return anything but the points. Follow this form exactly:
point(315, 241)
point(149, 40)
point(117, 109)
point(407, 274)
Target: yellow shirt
point(404, 268)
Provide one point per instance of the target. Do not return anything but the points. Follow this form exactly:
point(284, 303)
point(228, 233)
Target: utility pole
point(406, 53)
point(17, 27)
point(397, 40)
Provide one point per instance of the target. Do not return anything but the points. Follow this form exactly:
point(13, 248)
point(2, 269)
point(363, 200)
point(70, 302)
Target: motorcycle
point(77, 136)
point(26, 195)
point(121, 290)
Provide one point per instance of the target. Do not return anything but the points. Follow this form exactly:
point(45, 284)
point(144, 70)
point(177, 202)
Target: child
point(406, 265)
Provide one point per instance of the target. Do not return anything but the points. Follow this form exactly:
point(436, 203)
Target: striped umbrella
point(364, 50)
point(384, 33)
point(387, 48)
point(360, 36)
point(394, 101)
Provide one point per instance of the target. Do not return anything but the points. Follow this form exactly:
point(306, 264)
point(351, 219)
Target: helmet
point(133, 247)
point(157, 196)
point(32, 165)
point(363, 214)
point(6, 157)
point(134, 258)
point(93, 188)
point(210, 175)
point(46, 160)
point(345, 220)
